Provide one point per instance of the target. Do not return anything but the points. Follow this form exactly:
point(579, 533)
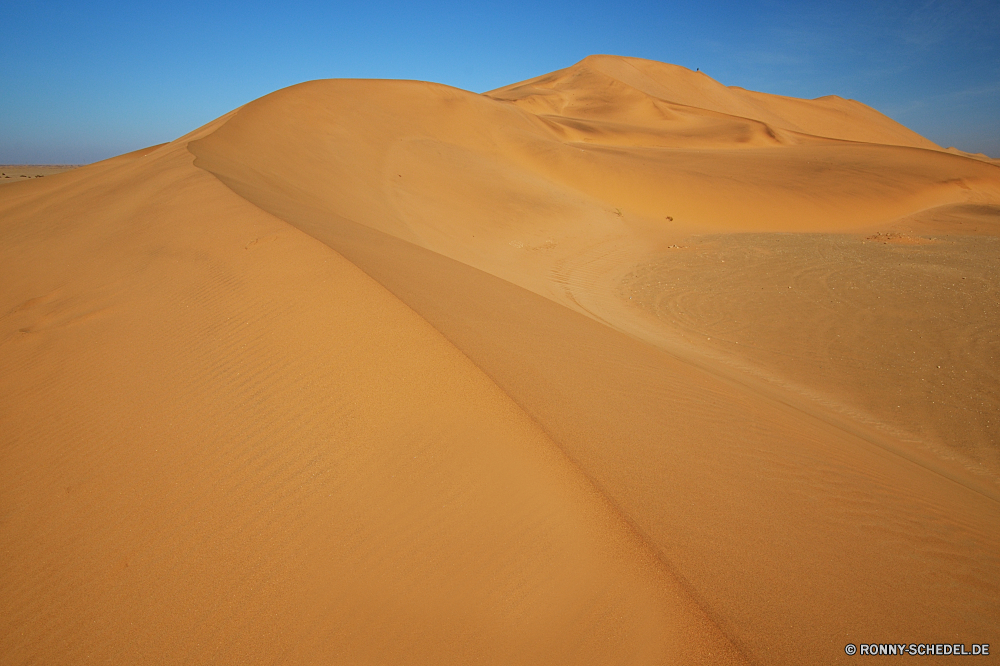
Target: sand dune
point(649, 93)
point(615, 365)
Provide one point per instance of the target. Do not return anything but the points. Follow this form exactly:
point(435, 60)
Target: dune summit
point(617, 365)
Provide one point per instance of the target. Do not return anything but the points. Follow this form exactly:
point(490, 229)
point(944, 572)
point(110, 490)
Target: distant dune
point(617, 365)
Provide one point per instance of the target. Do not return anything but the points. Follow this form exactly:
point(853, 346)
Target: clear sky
point(85, 80)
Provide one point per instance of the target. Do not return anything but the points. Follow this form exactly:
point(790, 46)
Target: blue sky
point(82, 81)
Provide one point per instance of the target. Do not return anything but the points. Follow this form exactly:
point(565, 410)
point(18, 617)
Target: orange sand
point(616, 365)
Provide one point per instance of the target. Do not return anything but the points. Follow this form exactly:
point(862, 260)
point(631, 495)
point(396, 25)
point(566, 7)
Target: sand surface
point(614, 366)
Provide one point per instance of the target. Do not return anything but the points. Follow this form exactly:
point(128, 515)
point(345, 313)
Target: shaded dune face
point(390, 372)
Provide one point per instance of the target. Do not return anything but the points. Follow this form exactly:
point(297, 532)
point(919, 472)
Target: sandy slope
point(616, 365)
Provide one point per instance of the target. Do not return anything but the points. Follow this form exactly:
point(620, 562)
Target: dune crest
point(614, 365)
point(613, 88)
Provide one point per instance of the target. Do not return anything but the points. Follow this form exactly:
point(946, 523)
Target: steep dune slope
point(496, 187)
point(493, 186)
point(223, 442)
point(790, 531)
point(390, 372)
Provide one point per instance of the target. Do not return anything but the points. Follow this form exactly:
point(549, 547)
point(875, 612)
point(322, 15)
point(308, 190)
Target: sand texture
point(613, 366)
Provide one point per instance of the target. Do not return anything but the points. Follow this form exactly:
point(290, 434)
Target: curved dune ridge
point(617, 365)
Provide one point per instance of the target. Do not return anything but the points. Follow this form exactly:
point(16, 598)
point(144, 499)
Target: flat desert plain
point(13, 173)
point(617, 365)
